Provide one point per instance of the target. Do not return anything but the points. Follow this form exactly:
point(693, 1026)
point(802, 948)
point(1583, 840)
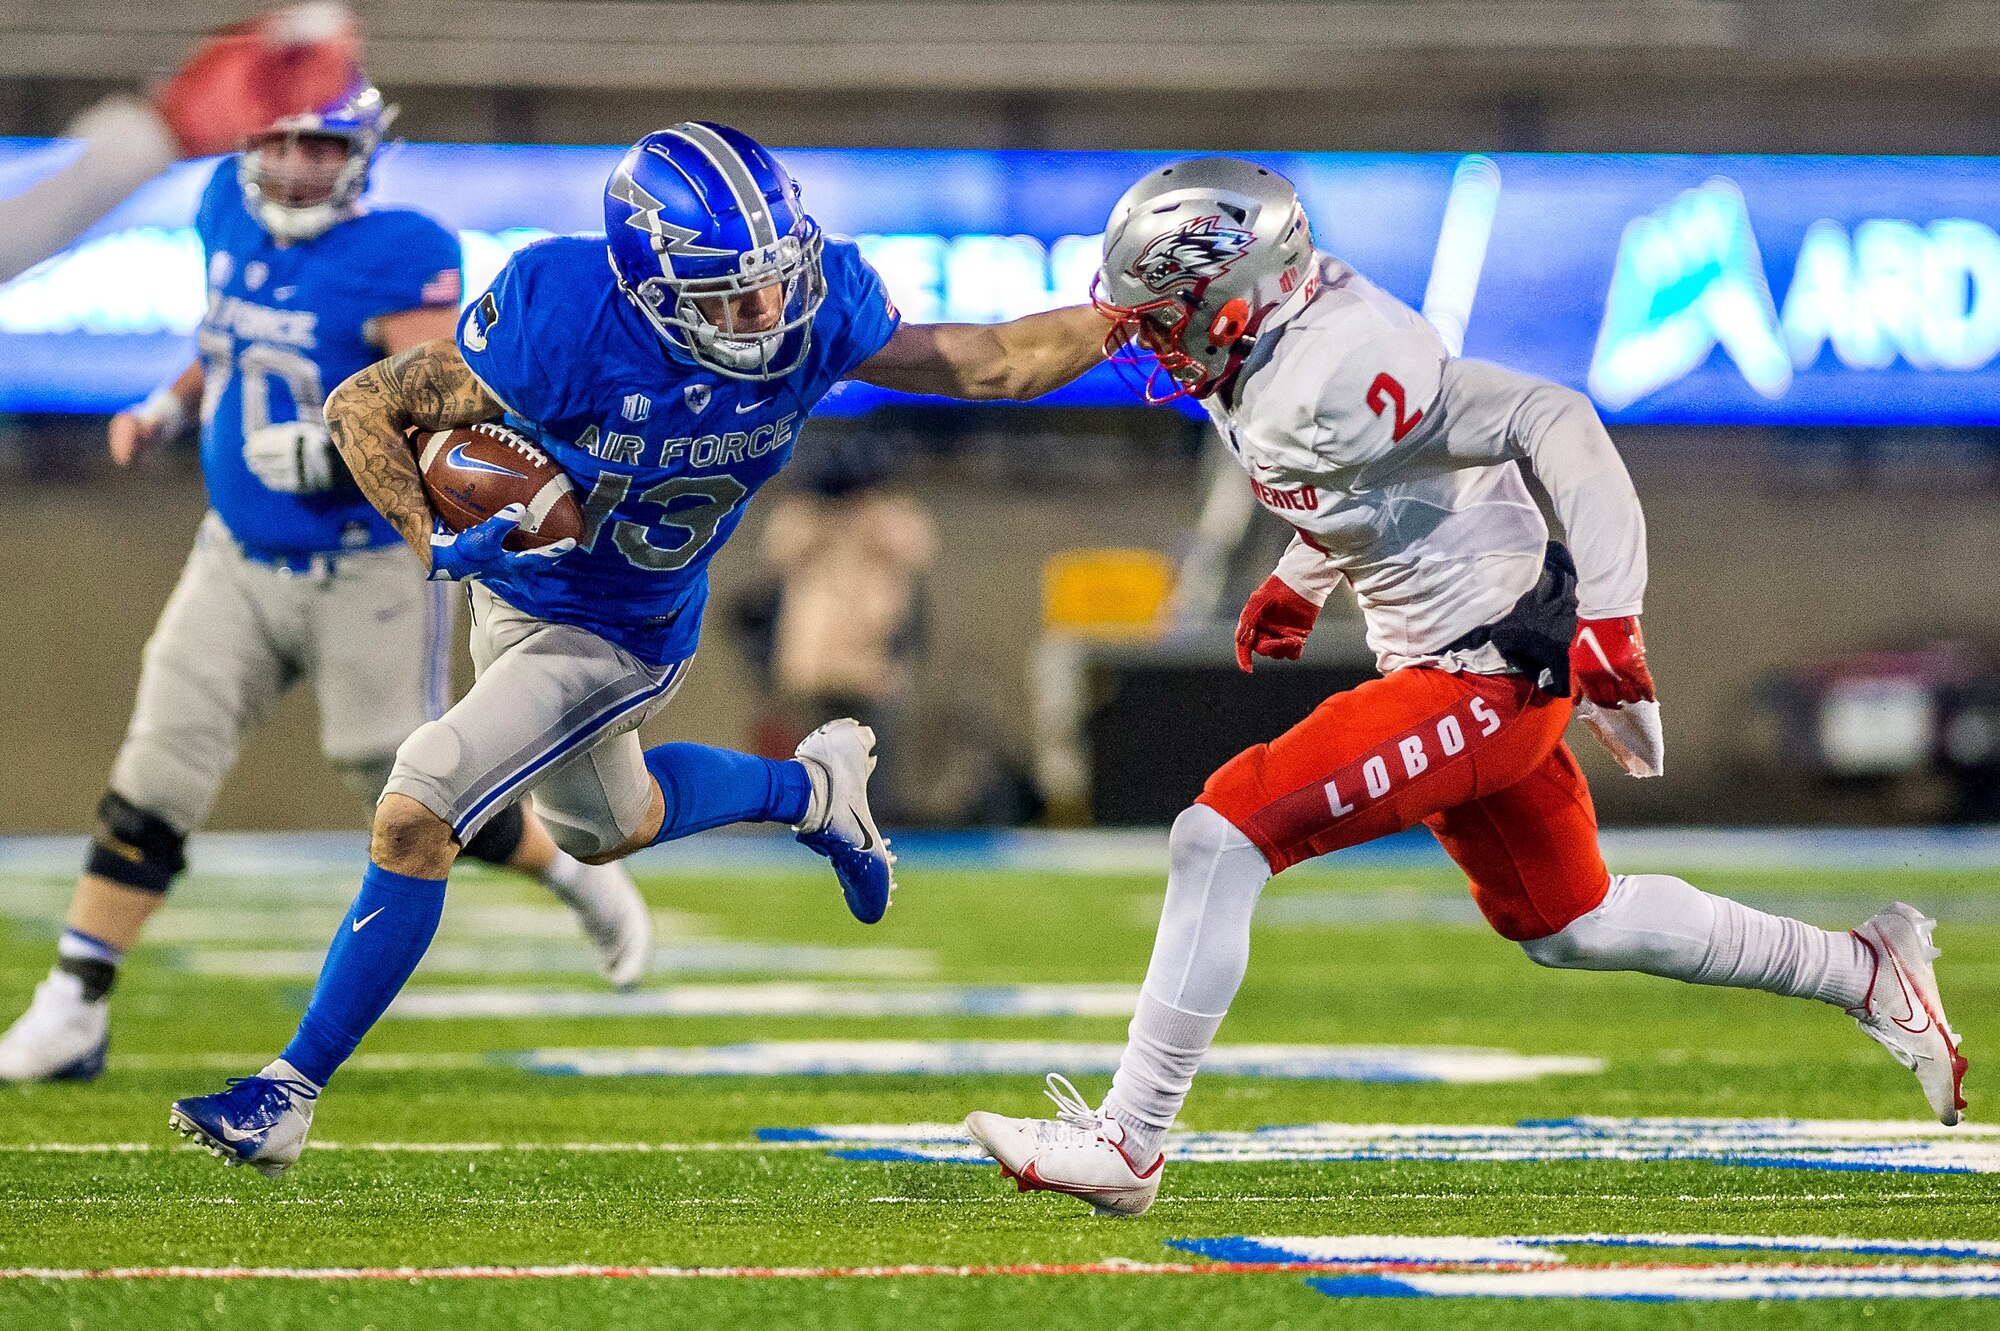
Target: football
point(473, 472)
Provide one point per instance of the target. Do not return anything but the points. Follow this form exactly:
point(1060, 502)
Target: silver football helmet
point(1200, 257)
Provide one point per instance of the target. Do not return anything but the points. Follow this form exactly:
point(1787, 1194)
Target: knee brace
point(134, 848)
point(496, 842)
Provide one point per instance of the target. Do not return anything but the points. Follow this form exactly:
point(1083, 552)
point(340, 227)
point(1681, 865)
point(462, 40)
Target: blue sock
point(707, 787)
point(380, 942)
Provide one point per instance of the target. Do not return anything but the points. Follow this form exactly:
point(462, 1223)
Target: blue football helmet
point(698, 214)
point(299, 208)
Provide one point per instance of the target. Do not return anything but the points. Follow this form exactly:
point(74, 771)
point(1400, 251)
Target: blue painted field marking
point(1366, 1287)
point(1540, 1249)
point(1688, 1284)
point(1864, 1147)
point(1528, 1266)
point(795, 1058)
point(1375, 1248)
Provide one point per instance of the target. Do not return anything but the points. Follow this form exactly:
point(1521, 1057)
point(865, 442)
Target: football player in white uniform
point(1395, 465)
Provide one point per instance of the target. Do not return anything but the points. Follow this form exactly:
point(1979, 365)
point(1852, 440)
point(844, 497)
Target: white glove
point(293, 458)
point(1630, 732)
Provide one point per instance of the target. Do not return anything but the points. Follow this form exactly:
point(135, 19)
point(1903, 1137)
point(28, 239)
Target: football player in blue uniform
point(294, 576)
point(670, 384)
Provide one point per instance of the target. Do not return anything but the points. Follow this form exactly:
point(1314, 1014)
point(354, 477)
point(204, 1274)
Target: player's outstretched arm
point(428, 387)
point(1020, 359)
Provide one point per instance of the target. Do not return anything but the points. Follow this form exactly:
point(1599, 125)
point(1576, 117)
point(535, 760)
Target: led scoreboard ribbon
point(1774, 290)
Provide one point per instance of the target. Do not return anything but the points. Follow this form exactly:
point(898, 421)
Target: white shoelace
point(1075, 1122)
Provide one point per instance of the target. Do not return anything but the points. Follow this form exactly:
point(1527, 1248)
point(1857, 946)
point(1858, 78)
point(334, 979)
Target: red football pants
point(1478, 759)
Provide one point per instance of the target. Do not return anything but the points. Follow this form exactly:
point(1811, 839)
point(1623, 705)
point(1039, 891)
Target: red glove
point(244, 77)
point(1607, 662)
point(1275, 623)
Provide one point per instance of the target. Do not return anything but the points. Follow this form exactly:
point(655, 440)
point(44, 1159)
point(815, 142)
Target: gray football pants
point(369, 633)
point(555, 710)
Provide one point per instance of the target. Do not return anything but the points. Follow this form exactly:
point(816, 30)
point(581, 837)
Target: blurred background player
point(847, 553)
point(670, 384)
point(242, 79)
point(1395, 464)
point(293, 575)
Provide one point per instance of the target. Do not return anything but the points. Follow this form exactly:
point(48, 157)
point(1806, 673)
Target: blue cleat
point(843, 752)
point(259, 1121)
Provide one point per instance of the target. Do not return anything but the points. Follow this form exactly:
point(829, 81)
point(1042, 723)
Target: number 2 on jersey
point(1383, 393)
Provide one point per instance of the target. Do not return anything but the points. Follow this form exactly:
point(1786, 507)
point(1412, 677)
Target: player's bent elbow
point(345, 404)
point(1554, 405)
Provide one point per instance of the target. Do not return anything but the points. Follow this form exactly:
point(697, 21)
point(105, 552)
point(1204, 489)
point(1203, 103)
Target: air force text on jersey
point(664, 453)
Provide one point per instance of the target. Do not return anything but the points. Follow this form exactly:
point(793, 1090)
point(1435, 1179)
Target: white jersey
point(1396, 464)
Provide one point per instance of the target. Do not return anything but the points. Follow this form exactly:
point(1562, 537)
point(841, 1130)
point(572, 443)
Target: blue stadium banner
point(1672, 289)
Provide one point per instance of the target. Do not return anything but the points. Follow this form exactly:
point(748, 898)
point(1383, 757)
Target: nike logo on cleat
point(234, 1134)
point(867, 837)
point(357, 925)
point(1911, 1003)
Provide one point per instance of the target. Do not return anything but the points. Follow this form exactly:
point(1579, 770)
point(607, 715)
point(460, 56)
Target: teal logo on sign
point(1688, 280)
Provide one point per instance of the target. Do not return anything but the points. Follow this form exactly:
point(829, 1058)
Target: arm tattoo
point(428, 387)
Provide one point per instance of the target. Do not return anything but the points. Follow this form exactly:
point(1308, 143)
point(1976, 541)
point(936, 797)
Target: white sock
point(563, 875)
point(1660, 925)
point(1199, 957)
point(817, 809)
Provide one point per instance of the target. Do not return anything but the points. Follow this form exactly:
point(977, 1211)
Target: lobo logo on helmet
point(1191, 255)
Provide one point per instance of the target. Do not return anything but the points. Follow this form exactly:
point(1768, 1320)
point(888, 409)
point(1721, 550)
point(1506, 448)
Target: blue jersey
point(665, 454)
point(285, 325)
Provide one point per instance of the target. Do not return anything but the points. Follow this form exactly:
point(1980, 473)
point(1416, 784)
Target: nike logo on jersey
point(362, 923)
point(457, 458)
point(744, 408)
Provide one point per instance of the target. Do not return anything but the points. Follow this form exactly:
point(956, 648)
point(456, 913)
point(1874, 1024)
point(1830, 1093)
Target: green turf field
point(543, 1170)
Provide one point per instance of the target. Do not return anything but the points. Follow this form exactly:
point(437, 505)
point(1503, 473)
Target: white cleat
point(614, 917)
point(1903, 1012)
point(843, 754)
point(60, 1037)
point(1078, 1153)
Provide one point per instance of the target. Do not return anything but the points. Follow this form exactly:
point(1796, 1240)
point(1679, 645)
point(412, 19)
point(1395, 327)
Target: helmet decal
point(1191, 255)
point(700, 217)
point(668, 239)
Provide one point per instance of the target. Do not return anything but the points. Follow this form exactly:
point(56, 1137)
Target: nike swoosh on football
point(457, 458)
point(357, 925)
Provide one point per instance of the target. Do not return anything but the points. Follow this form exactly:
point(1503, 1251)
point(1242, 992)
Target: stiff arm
point(428, 387)
point(1023, 358)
